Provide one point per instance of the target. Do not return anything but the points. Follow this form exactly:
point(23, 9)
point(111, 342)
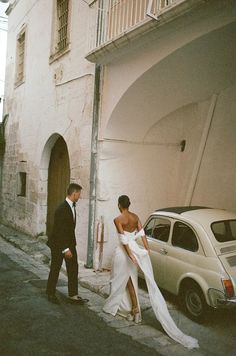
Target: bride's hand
point(133, 259)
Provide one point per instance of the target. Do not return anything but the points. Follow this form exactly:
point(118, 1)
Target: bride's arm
point(120, 231)
point(144, 239)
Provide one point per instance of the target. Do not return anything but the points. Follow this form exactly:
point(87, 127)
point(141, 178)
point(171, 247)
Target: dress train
point(119, 298)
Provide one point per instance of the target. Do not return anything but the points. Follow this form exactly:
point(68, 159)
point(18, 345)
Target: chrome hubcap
point(193, 303)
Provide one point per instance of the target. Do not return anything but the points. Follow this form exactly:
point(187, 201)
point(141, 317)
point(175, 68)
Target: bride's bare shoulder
point(118, 218)
point(134, 216)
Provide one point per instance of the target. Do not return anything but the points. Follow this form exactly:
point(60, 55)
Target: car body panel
point(229, 261)
point(158, 260)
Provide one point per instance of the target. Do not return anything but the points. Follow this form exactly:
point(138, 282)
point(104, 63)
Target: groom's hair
point(124, 201)
point(73, 187)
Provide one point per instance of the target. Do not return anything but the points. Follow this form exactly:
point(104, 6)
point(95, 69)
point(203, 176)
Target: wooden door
point(58, 179)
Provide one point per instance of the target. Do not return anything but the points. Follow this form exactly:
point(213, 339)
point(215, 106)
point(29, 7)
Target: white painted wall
point(166, 58)
point(156, 94)
point(216, 181)
point(157, 176)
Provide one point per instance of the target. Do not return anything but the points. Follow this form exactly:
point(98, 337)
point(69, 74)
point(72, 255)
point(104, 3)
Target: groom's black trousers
point(71, 267)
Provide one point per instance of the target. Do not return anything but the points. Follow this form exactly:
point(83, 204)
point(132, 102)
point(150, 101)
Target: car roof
point(199, 214)
point(182, 209)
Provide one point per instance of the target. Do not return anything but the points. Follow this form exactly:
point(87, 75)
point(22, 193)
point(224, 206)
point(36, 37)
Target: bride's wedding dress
point(119, 299)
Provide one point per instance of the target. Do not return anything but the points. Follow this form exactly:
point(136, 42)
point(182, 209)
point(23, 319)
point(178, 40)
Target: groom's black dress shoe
point(78, 300)
point(53, 299)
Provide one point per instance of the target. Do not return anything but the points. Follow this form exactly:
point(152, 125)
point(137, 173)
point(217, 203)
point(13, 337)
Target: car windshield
point(224, 230)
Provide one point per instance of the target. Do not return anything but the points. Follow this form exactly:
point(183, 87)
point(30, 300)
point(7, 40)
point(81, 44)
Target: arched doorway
point(58, 179)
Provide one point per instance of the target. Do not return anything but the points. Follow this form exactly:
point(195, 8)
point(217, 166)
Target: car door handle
point(163, 251)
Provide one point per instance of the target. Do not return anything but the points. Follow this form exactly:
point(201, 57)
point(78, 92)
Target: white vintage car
point(193, 253)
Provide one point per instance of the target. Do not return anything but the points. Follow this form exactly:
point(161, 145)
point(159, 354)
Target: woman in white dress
point(123, 299)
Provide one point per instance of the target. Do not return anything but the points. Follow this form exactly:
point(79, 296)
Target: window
point(22, 184)
point(20, 57)
point(184, 237)
point(158, 228)
point(61, 28)
point(224, 230)
point(62, 19)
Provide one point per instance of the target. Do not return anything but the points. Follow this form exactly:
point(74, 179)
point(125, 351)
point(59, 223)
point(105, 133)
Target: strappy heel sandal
point(137, 315)
point(130, 317)
point(134, 315)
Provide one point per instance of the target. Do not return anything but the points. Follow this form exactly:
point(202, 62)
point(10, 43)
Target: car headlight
point(215, 296)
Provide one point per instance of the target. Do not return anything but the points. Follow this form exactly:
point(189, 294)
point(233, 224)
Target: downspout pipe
point(93, 168)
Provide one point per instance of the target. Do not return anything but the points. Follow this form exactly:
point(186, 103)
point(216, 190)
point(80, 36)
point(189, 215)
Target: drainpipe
point(205, 134)
point(93, 168)
point(2, 151)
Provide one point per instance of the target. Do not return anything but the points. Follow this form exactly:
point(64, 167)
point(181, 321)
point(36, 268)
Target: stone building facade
point(149, 85)
point(49, 104)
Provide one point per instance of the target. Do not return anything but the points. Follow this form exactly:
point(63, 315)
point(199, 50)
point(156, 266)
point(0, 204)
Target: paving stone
point(140, 331)
point(157, 342)
point(119, 323)
point(177, 349)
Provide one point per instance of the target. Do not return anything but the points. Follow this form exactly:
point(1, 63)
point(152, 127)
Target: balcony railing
point(117, 17)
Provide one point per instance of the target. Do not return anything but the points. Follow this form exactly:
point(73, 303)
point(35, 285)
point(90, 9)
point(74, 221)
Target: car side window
point(184, 237)
point(158, 229)
point(233, 229)
point(149, 227)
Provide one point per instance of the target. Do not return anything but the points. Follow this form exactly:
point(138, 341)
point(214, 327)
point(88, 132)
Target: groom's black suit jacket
point(63, 233)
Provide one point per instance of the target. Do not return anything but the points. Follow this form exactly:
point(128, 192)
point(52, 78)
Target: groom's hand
point(68, 254)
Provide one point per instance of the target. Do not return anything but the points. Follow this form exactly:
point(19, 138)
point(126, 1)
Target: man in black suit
point(62, 243)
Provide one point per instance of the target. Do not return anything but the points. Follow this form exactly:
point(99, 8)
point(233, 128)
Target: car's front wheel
point(194, 302)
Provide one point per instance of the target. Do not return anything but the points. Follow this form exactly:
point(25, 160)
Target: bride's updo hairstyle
point(124, 201)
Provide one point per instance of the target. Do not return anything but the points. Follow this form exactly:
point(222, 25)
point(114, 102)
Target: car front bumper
point(217, 299)
point(226, 302)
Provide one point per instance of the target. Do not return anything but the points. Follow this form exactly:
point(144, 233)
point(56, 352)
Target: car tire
point(194, 303)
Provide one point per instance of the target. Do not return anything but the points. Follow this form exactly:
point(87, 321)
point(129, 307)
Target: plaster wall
point(156, 174)
point(157, 94)
point(54, 99)
point(153, 174)
point(138, 58)
point(215, 185)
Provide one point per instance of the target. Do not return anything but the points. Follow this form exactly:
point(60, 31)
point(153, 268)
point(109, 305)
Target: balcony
point(116, 21)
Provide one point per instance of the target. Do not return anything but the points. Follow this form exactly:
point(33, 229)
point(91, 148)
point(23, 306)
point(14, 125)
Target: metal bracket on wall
point(149, 12)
